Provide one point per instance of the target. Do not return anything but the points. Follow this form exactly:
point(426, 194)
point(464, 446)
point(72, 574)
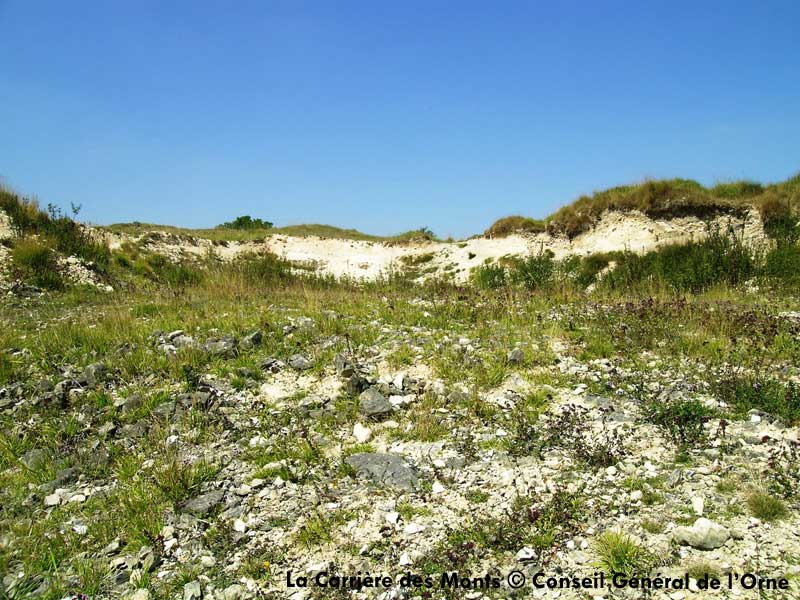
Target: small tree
point(246, 222)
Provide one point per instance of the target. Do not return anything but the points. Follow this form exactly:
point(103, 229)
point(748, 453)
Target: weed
point(783, 469)
point(36, 262)
point(682, 420)
point(765, 506)
point(617, 552)
point(489, 277)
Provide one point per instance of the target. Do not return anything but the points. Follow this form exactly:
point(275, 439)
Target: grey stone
point(356, 384)
point(224, 348)
point(92, 374)
point(192, 591)
point(344, 366)
point(35, 459)
point(300, 362)
point(385, 469)
point(674, 478)
point(183, 341)
point(371, 403)
point(62, 388)
point(251, 340)
point(516, 356)
point(704, 535)
point(234, 592)
point(201, 505)
point(132, 402)
point(457, 397)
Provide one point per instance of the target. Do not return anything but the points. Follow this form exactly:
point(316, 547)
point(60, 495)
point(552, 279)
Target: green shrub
point(766, 507)
point(246, 222)
point(782, 264)
point(514, 224)
point(534, 272)
point(591, 265)
point(264, 269)
point(620, 553)
point(743, 393)
point(490, 277)
point(779, 222)
point(161, 269)
point(681, 420)
point(54, 228)
point(36, 262)
point(693, 267)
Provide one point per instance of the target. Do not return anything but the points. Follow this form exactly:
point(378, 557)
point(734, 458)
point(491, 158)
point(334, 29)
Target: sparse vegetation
point(528, 415)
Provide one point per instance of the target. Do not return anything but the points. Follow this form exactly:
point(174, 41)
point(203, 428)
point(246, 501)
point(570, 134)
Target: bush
point(534, 272)
point(36, 262)
point(620, 553)
point(591, 265)
point(246, 222)
point(514, 224)
point(783, 469)
point(681, 420)
point(693, 267)
point(54, 229)
point(743, 393)
point(264, 269)
point(489, 277)
point(766, 507)
point(779, 223)
point(160, 269)
point(782, 264)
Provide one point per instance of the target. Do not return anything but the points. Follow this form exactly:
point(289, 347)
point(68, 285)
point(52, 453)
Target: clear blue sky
point(387, 116)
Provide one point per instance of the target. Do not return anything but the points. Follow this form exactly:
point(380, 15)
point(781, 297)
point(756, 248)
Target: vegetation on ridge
point(668, 198)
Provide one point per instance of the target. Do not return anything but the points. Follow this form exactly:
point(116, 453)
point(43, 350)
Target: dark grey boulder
point(371, 403)
point(300, 362)
point(344, 366)
point(93, 374)
point(385, 469)
point(516, 356)
point(356, 384)
point(223, 348)
point(251, 340)
point(204, 504)
point(35, 459)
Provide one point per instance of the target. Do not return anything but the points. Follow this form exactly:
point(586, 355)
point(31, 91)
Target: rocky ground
point(206, 445)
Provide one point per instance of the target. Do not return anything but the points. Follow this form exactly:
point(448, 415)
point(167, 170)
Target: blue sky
point(387, 116)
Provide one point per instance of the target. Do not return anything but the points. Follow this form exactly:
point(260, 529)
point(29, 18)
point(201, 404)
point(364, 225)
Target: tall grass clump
point(35, 262)
point(514, 224)
point(490, 277)
point(54, 228)
point(694, 267)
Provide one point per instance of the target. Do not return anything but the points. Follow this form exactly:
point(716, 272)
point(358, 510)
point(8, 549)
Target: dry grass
point(244, 235)
point(514, 224)
point(667, 198)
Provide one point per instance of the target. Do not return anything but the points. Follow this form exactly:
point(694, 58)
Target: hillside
point(640, 218)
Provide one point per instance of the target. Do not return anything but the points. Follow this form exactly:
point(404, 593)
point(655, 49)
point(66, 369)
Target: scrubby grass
point(226, 234)
point(617, 552)
point(765, 506)
point(680, 197)
point(515, 224)
point(36, 262)
point(54, 229)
